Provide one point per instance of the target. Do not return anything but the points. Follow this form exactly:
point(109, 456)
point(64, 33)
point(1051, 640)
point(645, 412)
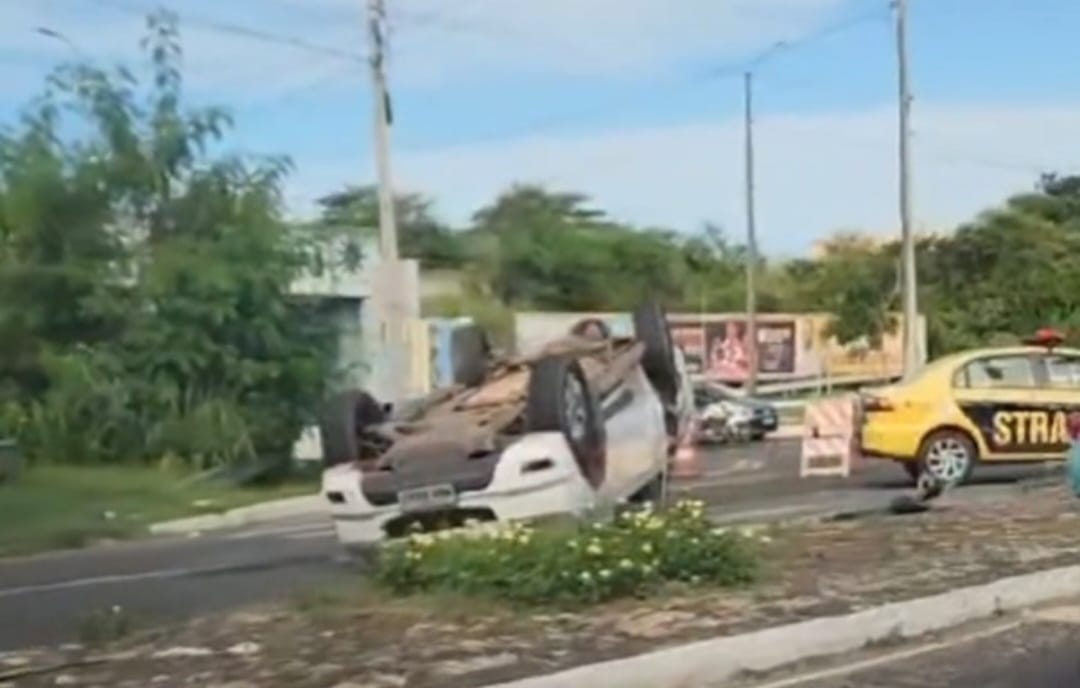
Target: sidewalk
point(830, 588)
point(266, 512)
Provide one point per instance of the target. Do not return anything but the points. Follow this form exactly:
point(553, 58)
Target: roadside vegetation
point(633, 556)
point(145, 311)
point(61, 507)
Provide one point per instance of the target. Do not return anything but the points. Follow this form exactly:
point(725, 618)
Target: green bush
point(630, 556)
point(146, 310)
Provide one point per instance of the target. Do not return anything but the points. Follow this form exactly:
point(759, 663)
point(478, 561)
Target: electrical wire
point(240, 30)
point(730, 70)
point(444, 21)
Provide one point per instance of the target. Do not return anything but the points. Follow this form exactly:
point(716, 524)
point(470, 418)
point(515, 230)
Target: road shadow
point(893, 477)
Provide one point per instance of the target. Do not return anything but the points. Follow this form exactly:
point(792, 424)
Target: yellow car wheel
point(949, 456)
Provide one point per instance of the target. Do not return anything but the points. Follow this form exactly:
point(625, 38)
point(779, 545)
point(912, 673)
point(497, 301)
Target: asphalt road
point(48, 599)
point(1040, 652)
point(50, 596)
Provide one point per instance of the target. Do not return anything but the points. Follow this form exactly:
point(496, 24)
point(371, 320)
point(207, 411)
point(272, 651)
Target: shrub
point(146, 308)
point(630, 556)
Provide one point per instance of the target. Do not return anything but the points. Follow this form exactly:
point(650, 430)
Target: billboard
point(719, 348)
point(790, 346)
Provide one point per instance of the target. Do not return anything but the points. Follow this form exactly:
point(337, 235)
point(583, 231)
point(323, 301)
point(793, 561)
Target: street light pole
point(912, 353)
point(751, 237)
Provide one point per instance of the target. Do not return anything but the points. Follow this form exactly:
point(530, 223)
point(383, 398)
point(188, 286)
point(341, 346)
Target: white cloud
point(816, 173)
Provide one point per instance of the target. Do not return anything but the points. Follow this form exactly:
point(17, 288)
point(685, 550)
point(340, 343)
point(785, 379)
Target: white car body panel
point(637, 453)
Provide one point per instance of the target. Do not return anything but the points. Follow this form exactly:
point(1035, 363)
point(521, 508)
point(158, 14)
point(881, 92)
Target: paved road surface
point(48, 597)
point(1043, 652)
point(173, 578)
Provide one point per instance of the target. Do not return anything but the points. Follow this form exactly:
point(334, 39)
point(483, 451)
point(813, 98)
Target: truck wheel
point(343, 419)
point(651, 329)
point(559, 400)
point(948, 456)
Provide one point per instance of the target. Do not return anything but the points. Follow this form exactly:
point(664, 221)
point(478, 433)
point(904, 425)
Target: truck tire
point(651, 329)
point(559, 400)
point(344, 417)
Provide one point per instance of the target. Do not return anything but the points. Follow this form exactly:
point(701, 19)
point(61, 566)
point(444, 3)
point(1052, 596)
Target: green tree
point(144, 283)
point(856, 280)
point(420, 234)
point(1010, 271)
point(542, 249)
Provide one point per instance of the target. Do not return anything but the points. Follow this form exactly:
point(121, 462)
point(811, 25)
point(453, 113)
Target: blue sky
point(636, 102)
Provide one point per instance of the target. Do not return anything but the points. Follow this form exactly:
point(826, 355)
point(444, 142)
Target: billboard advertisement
point(719, 348)
point(790, 346)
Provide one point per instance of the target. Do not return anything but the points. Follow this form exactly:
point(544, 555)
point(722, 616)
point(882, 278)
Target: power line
point(729, 70)
point(827, 31)
point(233, 29)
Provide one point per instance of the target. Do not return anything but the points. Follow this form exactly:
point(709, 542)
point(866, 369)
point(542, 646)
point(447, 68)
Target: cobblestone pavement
point(351, 640)
point(1038, 654)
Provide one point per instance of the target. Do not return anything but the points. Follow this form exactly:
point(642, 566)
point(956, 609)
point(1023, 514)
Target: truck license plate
point(429, 498)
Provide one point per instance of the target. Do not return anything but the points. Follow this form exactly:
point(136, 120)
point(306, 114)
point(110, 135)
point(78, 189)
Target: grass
point(66, 507)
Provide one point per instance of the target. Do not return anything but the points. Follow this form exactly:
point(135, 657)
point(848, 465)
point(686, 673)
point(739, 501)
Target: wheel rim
point(577, 414)
point(948, 459)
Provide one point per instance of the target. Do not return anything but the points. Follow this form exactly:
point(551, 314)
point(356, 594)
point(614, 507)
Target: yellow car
point(995, 405)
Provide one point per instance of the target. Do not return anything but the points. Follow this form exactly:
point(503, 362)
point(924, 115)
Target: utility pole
point(751, 238)
point(381, 97)
point(389, 302)
point(912, 354)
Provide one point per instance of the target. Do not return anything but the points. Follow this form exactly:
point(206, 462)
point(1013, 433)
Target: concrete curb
point(306, 505)
point(711, 662)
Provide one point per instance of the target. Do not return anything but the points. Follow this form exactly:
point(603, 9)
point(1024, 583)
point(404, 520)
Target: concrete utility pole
point(389, 302)
point(388, 245)
point(912, 353)
point(751, 238)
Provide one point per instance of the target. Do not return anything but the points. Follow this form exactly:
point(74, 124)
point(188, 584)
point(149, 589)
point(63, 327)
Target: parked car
point(724, 413)
point(586, 423)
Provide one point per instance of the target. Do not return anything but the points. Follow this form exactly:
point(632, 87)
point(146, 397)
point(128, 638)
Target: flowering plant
point(630, 556)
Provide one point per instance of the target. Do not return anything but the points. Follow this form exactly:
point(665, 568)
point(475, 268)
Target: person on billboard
point(729, 358)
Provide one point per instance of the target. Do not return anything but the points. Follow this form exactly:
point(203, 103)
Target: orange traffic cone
point(686, 463)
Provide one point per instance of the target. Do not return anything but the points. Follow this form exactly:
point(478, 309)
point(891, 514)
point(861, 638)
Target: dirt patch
point(349, 638)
